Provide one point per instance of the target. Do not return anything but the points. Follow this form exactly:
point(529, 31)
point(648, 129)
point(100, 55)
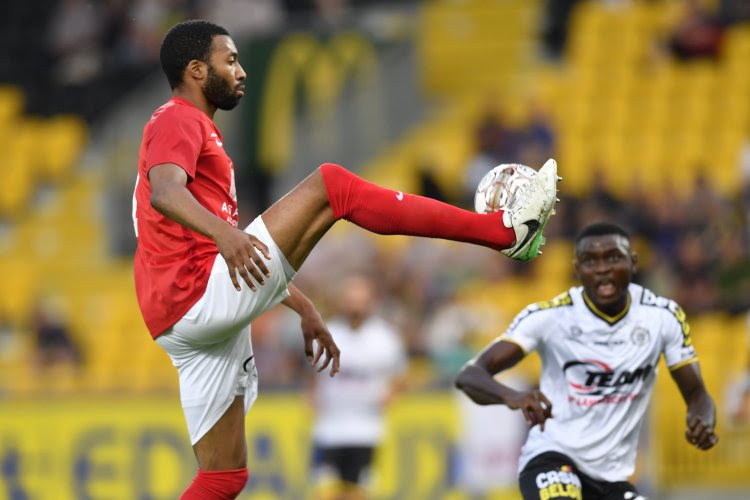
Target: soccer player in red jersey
point(200, 280)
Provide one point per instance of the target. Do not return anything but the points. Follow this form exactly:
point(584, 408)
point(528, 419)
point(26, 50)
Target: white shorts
point(210, 345)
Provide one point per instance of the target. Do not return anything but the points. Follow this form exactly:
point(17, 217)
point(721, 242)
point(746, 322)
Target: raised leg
point(298, 220)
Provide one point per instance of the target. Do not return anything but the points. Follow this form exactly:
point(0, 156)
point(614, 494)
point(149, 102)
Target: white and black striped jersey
point(599, 372)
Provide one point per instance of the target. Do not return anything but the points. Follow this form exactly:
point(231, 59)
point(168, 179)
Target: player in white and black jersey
point(600, 344)
point(350, 408)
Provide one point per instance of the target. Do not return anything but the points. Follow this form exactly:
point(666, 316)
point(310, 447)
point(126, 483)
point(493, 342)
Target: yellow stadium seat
point(11, 104)
point(456, 40)
point(18, 185)
point(64, 138)
point(737, 44)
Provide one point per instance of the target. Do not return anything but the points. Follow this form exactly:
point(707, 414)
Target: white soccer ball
point(499, 186)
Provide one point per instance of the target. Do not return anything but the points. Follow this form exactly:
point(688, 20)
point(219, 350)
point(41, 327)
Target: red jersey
point(172, 262)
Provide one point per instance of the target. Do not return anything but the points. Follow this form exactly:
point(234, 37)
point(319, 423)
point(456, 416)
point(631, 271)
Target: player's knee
point(219, 485)
point(236, 481)
point(333, 169)
point(335, 176)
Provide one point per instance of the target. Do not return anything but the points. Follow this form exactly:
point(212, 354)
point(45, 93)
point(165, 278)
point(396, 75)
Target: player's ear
point(575, 269)
point(195, 69)
point(634, 260)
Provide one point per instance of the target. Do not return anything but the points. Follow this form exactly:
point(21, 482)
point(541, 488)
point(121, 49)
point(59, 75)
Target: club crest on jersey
point(593, 382)
point(640, 336)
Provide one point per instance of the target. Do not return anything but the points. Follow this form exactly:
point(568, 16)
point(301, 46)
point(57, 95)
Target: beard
point(219, 93)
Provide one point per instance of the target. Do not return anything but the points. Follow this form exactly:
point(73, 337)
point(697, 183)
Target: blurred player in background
point(738, 400)
point(349, 408)
point(600, 344)
point(200, 280)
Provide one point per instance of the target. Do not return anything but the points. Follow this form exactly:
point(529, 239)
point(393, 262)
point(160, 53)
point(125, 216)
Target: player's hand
point(240, 251)
point(535, 406)
point(701, 420)
point(314, 328)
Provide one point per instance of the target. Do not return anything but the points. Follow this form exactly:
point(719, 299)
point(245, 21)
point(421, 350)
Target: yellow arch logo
point(323, 69)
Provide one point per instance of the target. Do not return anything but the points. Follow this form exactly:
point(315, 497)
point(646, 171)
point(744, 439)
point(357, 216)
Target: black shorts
point(351, 463)
point(554, 475)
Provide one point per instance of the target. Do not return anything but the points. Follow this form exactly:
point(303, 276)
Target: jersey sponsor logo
point(400, 196)
point(215, 137)
point(649, 298)
point(611, 342)
point(594, 382)
point(231, 212)
point(563, 483)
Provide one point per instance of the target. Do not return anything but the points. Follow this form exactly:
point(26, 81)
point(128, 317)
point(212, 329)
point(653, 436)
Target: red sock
point(385, 211)
point(216, 485)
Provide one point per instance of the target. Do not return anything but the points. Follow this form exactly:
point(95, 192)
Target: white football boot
point(529, 210)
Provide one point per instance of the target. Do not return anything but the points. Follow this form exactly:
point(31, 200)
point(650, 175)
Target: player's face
point(358, 298)
point(605, 265)
point(225, 82)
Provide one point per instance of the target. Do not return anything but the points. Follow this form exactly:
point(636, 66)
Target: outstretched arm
point(171, 198)
point(701, 412)
point(313, 328)
point(477, 381)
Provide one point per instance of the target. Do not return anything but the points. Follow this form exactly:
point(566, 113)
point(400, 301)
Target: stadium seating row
point(36, 151)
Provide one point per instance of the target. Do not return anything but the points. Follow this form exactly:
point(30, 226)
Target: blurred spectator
point(54, 345)
point(733, 277)
point(449, 331)
point(74, 40)
point(599, 203)
point(738, 400)
point(349, 422)
point(555, 26)
point(734, 11)
point(698, 34)
point(428, 183)
point(537, 138)
point(639, 211)
point(496, 143)
point(668, 222)
point(277, 347)
point(92, 52)
point(257, 17)
point(8, 339)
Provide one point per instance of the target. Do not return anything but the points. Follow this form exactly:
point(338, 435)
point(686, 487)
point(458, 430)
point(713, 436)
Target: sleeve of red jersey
point(175, 137)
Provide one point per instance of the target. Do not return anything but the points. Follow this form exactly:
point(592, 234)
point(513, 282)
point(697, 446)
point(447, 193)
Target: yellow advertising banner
point(138, 449)
point(112, 448)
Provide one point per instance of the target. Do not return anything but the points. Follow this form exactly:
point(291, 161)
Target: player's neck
point(197, 98)
point(355, 321)
point(613, 309)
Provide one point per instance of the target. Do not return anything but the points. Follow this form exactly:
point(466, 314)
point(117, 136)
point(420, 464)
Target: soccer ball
point(499, 186)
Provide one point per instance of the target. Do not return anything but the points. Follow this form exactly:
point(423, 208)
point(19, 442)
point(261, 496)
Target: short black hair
point(184, 42)
point(601, 229)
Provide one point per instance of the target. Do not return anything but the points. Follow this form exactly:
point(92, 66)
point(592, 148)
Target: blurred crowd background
point(644, 103)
